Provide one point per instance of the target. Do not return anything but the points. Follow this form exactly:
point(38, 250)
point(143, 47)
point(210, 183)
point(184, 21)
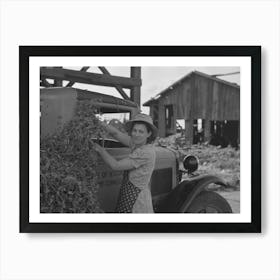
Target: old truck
point(171, 193)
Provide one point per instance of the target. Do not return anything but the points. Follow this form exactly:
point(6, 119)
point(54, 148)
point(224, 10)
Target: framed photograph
point(158, 139)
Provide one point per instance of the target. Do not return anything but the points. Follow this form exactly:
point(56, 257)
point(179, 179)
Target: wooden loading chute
point(58, 103)
point(59, 74)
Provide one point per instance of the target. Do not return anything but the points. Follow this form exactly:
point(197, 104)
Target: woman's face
point(140, 134)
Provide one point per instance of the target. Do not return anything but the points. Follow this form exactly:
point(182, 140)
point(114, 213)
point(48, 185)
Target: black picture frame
point(254, 52)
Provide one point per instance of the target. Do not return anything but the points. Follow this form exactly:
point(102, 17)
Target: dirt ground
point(233, 198)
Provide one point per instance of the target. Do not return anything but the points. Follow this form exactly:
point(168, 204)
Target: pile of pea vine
point(68, 179)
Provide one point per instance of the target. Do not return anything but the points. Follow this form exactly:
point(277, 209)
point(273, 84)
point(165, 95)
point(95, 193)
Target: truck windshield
point(117, 120)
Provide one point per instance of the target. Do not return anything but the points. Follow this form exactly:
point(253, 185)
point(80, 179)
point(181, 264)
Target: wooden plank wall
point(207, 100)
point(215, 101)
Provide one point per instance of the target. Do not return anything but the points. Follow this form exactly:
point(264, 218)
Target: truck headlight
point(190, 163)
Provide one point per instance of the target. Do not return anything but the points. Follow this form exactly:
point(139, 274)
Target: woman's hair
point(151, 138)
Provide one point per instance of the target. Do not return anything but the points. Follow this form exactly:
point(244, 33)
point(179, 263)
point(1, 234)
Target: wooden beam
point(135, 92)
point(227, 74)
point(118, 88)
point(89, 78)
point(83, 69)
point(45, 83)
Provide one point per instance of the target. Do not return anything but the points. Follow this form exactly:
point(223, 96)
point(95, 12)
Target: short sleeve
point(140, 157)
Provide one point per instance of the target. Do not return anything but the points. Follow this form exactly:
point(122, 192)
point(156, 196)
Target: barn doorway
point(155, 115)
point(224, 133)
point(169, 118)
point(198, 131)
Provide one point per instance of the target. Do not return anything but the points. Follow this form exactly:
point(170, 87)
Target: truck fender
point(196, 186)
point(184, 193)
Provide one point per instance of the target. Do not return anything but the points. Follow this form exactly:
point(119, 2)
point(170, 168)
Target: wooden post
point(189, 114)
point(155, 114)
point(173, 120)
point(58, 82)
point(238, 136)
point(207, 131)
point(135, 93)
point(189, 132)
point(161, 120)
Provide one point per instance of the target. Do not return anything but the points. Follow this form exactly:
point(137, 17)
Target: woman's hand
point(97, 148)
point(124, 164)
point(103, 124)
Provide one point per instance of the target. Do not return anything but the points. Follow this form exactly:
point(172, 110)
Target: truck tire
point(209, 202)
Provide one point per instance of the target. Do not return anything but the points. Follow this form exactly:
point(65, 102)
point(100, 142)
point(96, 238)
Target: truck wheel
point(209, 202)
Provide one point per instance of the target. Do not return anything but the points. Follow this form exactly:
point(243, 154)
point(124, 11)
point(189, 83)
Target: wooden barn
point(209, 106)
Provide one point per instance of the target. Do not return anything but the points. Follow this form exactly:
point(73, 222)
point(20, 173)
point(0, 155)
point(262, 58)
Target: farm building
point(209, 106)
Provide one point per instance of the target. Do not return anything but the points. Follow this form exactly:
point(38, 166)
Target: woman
point(135, 194)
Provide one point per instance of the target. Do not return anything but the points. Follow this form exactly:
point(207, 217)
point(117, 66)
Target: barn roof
point(171, 87)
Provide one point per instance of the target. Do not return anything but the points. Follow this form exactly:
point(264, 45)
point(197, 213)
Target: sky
point(156, 79)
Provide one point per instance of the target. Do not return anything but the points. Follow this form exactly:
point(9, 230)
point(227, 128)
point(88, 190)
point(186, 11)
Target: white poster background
point(139, 256)
point(245, 137)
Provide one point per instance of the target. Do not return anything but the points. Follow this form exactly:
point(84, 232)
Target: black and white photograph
point(124, 145)
point(101, 153)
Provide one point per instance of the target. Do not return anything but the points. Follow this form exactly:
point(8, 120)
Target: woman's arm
point(118, 165)
point(120, 136)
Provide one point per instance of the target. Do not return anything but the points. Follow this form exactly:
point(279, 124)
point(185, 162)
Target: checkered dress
point(127, 196)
